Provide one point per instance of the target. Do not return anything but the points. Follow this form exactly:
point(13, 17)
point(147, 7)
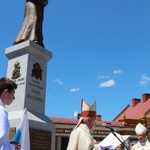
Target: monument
point(27, 66)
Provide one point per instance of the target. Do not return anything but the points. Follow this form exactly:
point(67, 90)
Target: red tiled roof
point(121, 113)
point(135, 112)
point(75, 121)
point(109, 123)
point(63, 120)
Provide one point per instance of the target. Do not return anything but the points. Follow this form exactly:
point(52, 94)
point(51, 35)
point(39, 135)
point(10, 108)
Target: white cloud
point(74, 89)
point(108, 83)
point(58, 81)
point(102, 77)
point(117, 71)
point(144, 80)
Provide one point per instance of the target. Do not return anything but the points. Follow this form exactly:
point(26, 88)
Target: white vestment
point(81, 139)
point(138, 146)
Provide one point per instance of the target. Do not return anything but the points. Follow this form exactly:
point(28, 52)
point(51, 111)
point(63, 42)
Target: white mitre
point(86, 111)
point(140, 129)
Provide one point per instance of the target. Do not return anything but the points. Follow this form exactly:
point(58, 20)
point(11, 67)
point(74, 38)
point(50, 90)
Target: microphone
point(104, 125)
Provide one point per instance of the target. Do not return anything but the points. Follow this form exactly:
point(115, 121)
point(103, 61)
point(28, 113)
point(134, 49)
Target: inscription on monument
point(36, 90)
point(40, 140)
point(20, 81)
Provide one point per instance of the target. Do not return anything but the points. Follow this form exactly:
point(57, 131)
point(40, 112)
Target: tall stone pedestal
point(27, 66)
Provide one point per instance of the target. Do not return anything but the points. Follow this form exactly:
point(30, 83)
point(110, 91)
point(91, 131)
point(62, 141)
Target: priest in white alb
point(143, 143)
point(81, 138)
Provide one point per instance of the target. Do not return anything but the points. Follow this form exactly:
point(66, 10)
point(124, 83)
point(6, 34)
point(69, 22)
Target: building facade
point(124, 123)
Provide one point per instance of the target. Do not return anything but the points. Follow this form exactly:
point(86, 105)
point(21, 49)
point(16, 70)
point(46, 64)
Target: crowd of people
point(80, 138)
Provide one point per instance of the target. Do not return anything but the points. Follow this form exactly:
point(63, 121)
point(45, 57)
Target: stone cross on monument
point(27, 66)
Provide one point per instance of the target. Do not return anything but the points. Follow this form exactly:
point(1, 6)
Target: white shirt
point(4, 129)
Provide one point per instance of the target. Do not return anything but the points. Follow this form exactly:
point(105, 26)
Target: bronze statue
point(32, 25)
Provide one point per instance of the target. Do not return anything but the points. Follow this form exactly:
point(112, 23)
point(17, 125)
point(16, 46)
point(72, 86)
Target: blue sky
point(101, 51)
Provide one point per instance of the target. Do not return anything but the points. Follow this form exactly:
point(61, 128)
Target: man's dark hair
point(6, 83)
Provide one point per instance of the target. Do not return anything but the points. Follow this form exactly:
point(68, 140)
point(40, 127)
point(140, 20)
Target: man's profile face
point(92, 122)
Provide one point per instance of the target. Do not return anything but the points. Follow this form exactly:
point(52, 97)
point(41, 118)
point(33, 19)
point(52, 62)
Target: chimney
point(78, 116)
point(99, 118)
point(145, 97)
point(135, 101)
